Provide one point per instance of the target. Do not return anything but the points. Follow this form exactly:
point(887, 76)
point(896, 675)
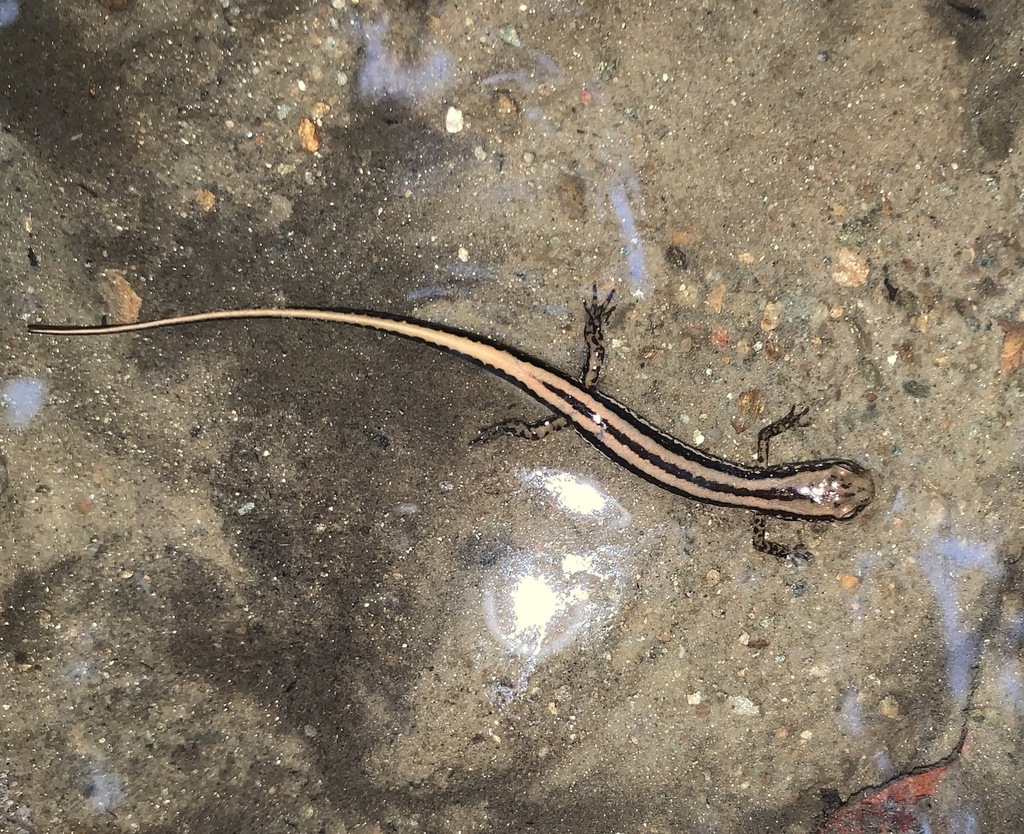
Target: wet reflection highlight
point(22, 398)
point(555, 589)
point(949, 564)
point(620, 201)
point(576, 495)
point(383, 76)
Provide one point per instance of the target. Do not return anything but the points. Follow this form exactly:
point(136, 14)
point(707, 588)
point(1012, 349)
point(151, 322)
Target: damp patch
point(21, 399)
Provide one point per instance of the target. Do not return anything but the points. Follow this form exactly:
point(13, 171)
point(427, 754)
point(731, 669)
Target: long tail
point(535, 377)
point(376, 321)
point(439, 336)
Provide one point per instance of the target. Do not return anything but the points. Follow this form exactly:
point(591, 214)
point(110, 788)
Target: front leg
point(762, 544)
point(598, 313)
point(795, 419)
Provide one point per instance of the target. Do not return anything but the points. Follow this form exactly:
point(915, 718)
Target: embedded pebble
point(453, 121)
point(676, 256)
point(743, 706)
point(206, 200)
point(509, 35)
point(278, 209)
point(889, 707)
point(847, 581)
point(771, 315)
point(309, 136)
point(1011, 356)
point(850, 270)
point(751, 402)
point(123, 303)
point(716, 298)
point(505, 105)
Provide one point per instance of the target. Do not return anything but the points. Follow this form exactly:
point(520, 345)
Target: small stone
point(676, 256)
point(850, 270)
point(743, 706)
point(1011, 356)
point(122, 302)
point(309, 136)
point(716, 298)
point(453, 121)
point(206, 200)
point(751, 402)
point(686, 295)
point(847, 581)
point(505, 105)
point(889, 707)
point(279, 209)
point(509, 35)
point(771, 315)
point(572, 194)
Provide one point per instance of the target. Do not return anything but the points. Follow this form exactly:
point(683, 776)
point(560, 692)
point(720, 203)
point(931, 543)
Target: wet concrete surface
point(255, 577)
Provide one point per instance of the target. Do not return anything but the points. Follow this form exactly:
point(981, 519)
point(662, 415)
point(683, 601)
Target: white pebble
point(453, 122)
point(743, 706)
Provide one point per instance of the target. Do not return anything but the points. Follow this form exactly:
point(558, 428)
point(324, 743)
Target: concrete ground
point(256, 579)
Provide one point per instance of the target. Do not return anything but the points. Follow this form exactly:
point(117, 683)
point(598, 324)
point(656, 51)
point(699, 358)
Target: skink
point(820, 490)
